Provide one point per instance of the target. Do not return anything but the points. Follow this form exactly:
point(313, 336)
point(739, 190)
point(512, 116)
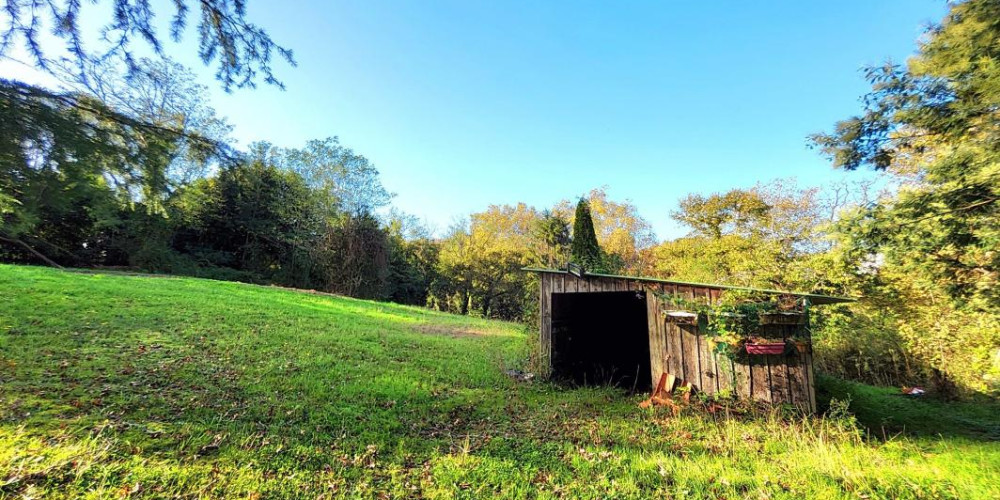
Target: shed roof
point(813, 298)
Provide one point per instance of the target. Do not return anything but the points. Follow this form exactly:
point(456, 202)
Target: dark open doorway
point(601, 338)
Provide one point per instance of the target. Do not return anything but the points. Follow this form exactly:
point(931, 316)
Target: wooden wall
point(682, 351)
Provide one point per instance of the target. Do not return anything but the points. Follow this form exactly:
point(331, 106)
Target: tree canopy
point(935, 121)
point(929, 252)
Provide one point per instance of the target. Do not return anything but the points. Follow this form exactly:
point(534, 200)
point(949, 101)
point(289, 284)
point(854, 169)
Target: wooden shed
point(602, 328)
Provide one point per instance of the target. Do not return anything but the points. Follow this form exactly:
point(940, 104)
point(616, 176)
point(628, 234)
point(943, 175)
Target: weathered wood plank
point(724, 372)
point(811, 383)
point(797, 382)
point(800, 384)
point(710, 377)
point(689, 348)
point(671, 335)
point(657, 352)
point(572, 283)
point(778, 366)
point(692, 371)
point(760, 379)
point(790, 362)
point(743, 381)
point(545, 318)
point(678, 354)
point(779, 380)
point(666, 332)
point(660, 325)
point(657, 348)
point(709, 368)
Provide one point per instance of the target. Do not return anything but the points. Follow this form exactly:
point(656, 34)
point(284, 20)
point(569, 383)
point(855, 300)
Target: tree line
point(127, 165)
point(132, 168)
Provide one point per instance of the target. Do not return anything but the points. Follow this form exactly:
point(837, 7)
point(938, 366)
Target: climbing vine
point(735, 319)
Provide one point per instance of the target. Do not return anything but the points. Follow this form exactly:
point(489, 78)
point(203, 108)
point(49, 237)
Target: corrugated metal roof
point(813, 298)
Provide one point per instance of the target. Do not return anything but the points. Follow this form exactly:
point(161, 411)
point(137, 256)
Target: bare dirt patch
point(457, 331)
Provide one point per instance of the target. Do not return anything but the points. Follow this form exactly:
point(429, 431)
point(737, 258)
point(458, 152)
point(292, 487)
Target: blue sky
point(464, 104)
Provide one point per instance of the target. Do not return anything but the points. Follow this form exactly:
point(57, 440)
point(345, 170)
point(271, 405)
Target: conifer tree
point(585, 250)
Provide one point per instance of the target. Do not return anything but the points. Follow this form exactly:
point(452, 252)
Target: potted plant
point(785, 310)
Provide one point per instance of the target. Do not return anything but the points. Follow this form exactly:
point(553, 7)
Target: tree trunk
point(36, 253)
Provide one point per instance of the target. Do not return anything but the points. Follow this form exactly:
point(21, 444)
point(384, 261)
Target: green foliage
point(731, 321)
point(343, 180)
point(142, 178)
point(176, 387)
point(252, 217)
point(930, 250)
point(359, 253)
point(163, 94)
point(584, 250)
point(72, 164)
point(622, 234)
point(754, 237)
point(117, 175)
point(413, 268)
point(735, 212)
point(479, 266)
point(552, 231)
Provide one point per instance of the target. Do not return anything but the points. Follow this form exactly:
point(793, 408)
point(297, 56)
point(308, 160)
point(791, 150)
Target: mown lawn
point(118, 386)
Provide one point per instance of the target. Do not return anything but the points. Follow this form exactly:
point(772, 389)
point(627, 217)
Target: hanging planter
point(783, 318)
point(681, 317)
point(765, 348)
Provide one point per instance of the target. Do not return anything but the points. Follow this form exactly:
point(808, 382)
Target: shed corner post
point(810, 367)
point(656, 367)
point(545, 324)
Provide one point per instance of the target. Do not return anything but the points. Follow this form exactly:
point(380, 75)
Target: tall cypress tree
point(585, 250)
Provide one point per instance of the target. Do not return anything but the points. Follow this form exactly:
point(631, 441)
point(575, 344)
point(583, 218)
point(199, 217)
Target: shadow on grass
point(885, 411)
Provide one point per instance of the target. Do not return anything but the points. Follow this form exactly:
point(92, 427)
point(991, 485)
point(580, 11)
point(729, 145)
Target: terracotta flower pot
point(802, 347)
point(766, 348)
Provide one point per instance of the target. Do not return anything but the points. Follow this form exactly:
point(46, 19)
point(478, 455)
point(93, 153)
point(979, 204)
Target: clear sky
point(463, 104)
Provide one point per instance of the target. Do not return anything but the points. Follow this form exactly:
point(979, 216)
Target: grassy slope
point(115, 385)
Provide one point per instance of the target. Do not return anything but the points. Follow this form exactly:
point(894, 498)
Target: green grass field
point(126, 386)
